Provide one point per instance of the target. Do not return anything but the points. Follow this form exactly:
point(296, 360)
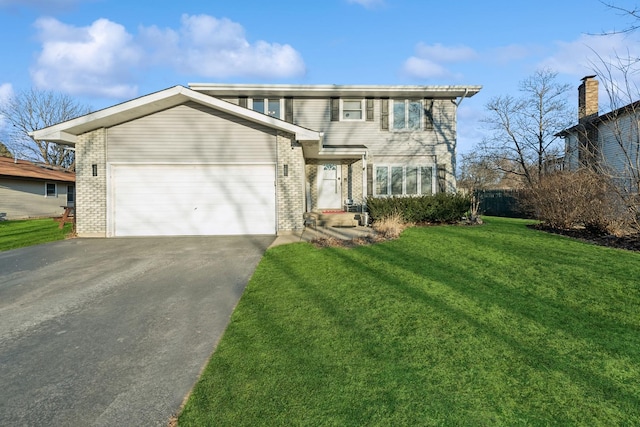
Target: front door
point(329, 189)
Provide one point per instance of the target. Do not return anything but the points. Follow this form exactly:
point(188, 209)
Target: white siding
point(191, 133)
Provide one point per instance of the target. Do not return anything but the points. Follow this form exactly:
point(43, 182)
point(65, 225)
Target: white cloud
point(217, 48)
point(104, 59)
point(97, 60)
point(580, 56)
point(603, 56)
point(369, 4)
point(429, 61)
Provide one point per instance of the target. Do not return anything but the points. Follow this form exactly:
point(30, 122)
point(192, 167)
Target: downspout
point(466, 91)
point(363, 208)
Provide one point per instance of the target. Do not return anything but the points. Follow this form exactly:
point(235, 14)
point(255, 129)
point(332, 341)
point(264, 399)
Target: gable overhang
point(375, 91)
point(316, 150)
point(67, 132)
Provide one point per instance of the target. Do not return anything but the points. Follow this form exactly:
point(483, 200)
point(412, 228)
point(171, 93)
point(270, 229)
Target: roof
point(25, 169)
point(633, 108)
point(67, 132)
point(378, 91)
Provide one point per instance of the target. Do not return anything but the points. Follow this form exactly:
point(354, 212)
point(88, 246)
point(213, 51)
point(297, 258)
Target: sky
point(103, 52)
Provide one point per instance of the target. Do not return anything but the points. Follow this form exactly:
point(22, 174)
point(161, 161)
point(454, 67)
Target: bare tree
point(633, 13)
point(524, 129)
point(34, 109)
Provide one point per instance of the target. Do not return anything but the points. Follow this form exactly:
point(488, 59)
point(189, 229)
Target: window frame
point(407, 103)
point(363, 112)
point(418, 178)
point(46, 189)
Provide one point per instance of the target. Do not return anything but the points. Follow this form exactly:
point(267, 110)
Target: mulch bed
point(630, 243)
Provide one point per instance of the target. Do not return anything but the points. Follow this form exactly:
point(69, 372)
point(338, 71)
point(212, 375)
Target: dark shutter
point(384, 114)
point(335, 109)
point(442, 178)
point(288, 110)
point(369, 102)
point(242, 101)
point(428, 114)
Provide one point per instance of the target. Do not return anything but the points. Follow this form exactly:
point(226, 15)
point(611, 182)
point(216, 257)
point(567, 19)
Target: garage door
point(190, 200)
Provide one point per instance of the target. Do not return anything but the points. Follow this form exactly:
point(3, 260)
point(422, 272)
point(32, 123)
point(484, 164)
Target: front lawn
point(490, 325)
point(17, 234)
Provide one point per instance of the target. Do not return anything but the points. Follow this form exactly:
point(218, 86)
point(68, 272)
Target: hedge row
point(442, 207)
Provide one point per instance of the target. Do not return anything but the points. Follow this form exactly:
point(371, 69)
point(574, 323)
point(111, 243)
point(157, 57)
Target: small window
point(51, 190)
point(352, 109)
point(71, 194)
point(270, 107)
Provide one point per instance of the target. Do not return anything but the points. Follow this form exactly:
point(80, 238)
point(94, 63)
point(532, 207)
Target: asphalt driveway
point(114, 331)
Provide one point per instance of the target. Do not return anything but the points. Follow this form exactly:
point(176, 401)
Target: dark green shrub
point(443, 207)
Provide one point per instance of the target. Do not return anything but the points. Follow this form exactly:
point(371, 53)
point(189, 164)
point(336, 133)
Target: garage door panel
point(193, 200)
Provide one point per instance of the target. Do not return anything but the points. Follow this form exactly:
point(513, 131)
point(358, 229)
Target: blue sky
point(103, 52)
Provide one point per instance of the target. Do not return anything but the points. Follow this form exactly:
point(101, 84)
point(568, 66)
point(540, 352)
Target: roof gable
point(66, 132)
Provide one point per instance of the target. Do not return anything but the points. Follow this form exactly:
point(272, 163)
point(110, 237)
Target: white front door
point(329, 190)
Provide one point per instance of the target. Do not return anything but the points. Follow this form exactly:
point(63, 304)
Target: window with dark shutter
point(288, 110)
point(369, 109)
point(384, 114)
point(428, 114)
point(242, 101)
point(335, 109)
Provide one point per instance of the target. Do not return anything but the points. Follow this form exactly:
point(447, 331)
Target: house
point(609, 142)
point(32, 190)
point(218, 159)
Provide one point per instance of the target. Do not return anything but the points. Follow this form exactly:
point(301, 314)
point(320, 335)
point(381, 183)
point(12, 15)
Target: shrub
point(580, 198)
point(443, 207)
point(390, 227)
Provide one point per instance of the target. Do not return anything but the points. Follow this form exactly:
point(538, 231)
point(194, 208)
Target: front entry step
point(342, 219)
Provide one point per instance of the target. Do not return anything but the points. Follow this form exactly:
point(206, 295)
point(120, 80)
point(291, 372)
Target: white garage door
point(189, 200)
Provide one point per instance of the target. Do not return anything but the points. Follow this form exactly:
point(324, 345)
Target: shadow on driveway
point(114, 331)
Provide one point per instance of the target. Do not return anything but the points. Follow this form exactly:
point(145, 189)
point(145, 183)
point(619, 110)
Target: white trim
point(384, 91)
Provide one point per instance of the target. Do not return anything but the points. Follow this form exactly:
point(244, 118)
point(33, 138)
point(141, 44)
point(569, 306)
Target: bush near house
point(584, 198)
point(440, 208)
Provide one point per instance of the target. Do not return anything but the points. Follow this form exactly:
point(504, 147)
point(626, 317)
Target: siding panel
point(191, 133)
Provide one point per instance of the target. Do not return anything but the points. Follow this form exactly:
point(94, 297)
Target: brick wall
point(91, 191)
point(290, 188)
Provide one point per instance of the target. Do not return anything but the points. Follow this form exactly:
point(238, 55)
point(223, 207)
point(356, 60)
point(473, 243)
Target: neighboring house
point(32, 190)
point(218, 159)
point(609, 142)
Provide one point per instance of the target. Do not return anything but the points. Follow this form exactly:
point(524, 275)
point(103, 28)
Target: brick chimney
point(588, 99)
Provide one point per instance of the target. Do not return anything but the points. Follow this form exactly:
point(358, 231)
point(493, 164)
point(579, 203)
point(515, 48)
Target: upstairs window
point(268, 106)
point(352, 109)
point(407, 114)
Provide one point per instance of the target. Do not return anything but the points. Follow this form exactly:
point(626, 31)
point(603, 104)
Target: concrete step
point(344, 219)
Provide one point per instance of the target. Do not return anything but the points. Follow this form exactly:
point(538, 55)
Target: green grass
point(491, 325)
point(18, 234)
